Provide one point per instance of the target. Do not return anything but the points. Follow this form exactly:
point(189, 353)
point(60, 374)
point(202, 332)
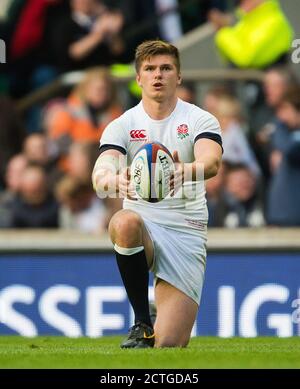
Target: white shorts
point(179, 258)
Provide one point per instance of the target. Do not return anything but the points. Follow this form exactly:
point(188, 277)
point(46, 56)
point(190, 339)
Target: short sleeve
point(114, 137)
point(206, 126)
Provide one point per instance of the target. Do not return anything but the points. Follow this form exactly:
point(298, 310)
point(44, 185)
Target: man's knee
point(126, 226)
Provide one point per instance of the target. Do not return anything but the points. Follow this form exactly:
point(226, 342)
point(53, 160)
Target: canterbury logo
point(138, 134)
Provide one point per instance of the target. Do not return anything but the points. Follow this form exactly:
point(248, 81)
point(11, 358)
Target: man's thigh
point(148, 246)
point(176, 314)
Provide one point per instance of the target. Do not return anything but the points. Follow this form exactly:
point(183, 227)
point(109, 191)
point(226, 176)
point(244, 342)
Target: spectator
point(13, 176)
point(261, 38)
point(263, 120)
point(12, 135)
point(89, 108)
point(235, 144)
point(31, 60)
point(276, 82)
point(14, 172)
point(234, 198)
point(186, 92)
point(140, 23)
point(35, 149)
point(34, 206)
point(51, 110)
point(244, 208)
point(89, 36)
point(80, 208)
point(284, 192)
point(81, 159)
point(213, 95)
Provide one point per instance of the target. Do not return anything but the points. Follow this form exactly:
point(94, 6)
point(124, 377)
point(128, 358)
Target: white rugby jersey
point(187, 210)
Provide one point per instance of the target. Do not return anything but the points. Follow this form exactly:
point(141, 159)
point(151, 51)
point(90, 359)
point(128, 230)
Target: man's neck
point(159, 110)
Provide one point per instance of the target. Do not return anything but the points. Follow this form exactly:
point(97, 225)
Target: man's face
point(289, 115)
point(158, 77)
point(33, 186)
point(85, 6)
point(97, 93)
point(274, 88)
point(241, 184)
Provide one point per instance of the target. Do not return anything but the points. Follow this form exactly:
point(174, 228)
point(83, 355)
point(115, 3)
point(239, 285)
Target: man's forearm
point(84, 46)
point(105, 183)
point(105, 176)
point(199, 170)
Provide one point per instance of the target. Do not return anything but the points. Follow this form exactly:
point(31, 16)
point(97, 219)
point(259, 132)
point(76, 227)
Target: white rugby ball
point(151, 170)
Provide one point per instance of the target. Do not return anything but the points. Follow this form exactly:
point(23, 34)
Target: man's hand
point(125, 186)
point(177, 179)
point(219, 19)
point(109, 24)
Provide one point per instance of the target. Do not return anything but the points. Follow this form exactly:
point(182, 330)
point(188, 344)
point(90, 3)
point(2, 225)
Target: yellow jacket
point(261, 37)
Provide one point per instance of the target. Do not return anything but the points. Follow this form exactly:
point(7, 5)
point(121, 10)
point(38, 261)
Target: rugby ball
point(151, 170)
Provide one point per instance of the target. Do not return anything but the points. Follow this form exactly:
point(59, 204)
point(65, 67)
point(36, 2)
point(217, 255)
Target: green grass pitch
point(104, 353)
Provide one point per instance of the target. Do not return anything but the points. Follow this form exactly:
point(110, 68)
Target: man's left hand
point(177, 180)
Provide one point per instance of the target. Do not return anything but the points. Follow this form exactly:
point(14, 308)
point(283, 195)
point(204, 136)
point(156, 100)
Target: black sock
point(135, 275)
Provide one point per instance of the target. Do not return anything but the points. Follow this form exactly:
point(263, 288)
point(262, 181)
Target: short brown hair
point(285, 72)
point(93, 74)
point(151, 48)
point(292, 96)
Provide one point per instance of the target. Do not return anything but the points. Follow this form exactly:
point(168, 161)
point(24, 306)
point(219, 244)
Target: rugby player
point(168, 237)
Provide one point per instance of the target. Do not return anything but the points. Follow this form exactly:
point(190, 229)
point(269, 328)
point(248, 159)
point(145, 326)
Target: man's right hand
point(219, 19)
point(125, 186)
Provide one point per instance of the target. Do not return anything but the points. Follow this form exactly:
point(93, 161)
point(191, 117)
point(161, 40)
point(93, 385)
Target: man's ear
point(138, 80)
point(179, 79)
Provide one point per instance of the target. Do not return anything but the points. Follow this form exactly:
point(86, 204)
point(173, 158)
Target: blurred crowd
point(47, 155)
